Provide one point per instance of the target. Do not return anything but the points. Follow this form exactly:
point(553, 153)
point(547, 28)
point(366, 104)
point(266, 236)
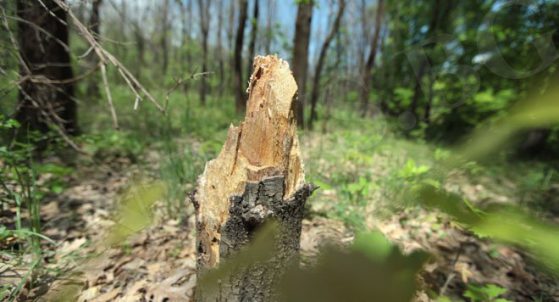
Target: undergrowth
point(362, 166)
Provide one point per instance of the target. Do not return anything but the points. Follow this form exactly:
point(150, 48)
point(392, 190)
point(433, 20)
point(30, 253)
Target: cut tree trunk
point(257, 176)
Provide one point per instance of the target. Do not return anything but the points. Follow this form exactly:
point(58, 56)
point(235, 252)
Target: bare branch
point(109, 97)
point(106, 57)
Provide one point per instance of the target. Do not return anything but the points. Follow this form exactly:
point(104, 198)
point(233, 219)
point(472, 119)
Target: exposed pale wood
point(257, 174)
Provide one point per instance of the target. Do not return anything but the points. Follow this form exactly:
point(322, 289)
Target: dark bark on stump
point(261, 202)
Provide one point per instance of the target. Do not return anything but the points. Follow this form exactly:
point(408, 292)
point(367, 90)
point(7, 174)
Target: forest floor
point(157, 261)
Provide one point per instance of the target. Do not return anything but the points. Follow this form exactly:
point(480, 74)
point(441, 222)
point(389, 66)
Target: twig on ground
point(450, 276)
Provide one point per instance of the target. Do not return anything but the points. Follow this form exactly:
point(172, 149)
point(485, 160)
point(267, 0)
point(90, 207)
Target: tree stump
point(257, 176)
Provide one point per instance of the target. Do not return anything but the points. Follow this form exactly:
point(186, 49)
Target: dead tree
point(321, 61)
point(257, 176)
point(301, 56)
point(46, 86)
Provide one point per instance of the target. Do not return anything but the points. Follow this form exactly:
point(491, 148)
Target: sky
point(285, 14)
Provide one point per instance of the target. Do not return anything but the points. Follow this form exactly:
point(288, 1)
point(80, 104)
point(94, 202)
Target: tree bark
point(204, 6)
point(94, 27)
point(253, 34)
point(301, 56)
point(320, 65)
point(257, 176)
point(46, 94)
point(238, 58)
point(367, 69)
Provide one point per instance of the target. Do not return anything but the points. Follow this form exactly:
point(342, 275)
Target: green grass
point(359, 163)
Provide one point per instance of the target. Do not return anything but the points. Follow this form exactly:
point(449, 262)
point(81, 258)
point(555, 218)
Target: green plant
point(18, 181)
point(113, 143)
point(22, 191)
point(411, 170)
point(485, 293)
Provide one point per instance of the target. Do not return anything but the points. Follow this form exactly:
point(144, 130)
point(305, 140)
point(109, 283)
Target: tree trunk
point(238, 58)
point(164, 32)
point(441, 12)
point(189, 49)
point(220, 59)
point(94, 26)
point(231, 27)
point(141, 47)
point(301, 56)
point(366, 72)
point(184, 40)
point(253, 34)
point(270, 7)
point(204, 6)
point(46, 94)
point(258, 175)
point(322, 56)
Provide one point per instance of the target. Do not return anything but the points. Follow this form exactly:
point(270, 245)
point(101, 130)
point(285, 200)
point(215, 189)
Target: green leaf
point(493, 291)
point(57, 188)
point(373, 244)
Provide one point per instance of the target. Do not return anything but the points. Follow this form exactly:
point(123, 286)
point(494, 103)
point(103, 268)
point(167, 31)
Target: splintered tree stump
point(257, 176)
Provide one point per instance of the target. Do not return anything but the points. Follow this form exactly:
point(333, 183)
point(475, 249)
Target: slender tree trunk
point(189, 30)
point(164, 32)
point(120, 50)
point(231, 27)
point(46, 94)
point(253, 35)
point(265, 180)
point(301, 56)
point(230, 33)
point(220, 58)
point(367, 69)
point(94, 26)
point(441, 12)
point(141, 48)
point(184, 39)
point(238, 58)
point(270, 7)
point(204, 6)
point(322, 56)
